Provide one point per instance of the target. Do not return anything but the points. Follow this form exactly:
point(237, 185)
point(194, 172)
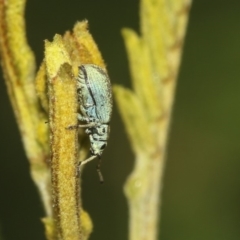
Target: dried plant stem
point(154, 59)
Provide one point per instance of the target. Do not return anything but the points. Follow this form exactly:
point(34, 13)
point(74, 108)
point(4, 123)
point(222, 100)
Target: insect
point(95, 103)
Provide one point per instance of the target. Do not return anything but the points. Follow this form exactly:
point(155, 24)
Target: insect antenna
point(99, 170)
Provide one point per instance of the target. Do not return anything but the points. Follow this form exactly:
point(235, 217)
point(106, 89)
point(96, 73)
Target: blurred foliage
point(201, 192)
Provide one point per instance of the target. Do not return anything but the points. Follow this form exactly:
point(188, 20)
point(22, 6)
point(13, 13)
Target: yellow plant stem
point(56, 92)
point(154, 58)
point(18, 65)
point(64, 144)
point(143, 206)
point(56, 88)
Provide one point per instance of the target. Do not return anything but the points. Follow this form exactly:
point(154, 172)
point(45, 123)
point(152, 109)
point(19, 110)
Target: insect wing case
point(99, 87)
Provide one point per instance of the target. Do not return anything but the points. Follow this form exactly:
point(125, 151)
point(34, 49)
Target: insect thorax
point(98, 137)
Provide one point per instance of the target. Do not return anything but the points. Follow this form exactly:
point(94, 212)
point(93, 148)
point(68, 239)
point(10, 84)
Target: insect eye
point(103, 146)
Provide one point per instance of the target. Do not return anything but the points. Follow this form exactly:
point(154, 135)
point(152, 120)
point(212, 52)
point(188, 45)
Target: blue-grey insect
point(95, 102)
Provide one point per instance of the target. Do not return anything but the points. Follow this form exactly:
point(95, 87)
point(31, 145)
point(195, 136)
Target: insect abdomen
point(99, 88)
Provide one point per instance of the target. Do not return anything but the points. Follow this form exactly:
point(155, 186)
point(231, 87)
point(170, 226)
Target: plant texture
point(45, 105)
point(154, 59)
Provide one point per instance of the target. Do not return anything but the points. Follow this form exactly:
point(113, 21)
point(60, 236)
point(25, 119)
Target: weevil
point(95, 104)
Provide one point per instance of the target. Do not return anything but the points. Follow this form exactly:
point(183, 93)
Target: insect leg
point(81, 126)
point(90, 122)
point(98, 166)
point(87, 160)
point(80, 164)
point(82, 118)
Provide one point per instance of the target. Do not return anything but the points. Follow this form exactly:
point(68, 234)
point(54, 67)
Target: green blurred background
point(201, 194)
